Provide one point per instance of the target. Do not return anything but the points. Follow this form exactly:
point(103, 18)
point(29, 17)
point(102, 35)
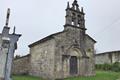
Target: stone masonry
point(107, 57)
point(21, 65)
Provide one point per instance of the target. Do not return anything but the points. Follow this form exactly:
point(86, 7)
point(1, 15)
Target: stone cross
point(8, 45)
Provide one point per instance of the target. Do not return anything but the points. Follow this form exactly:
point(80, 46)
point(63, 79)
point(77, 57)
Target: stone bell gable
point(67, 53)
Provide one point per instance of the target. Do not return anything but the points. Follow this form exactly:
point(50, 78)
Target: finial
point(7, 17)
point(82, 9)
point(75, 2)
point(75, 5)
point(14, 30)
point(68, 6)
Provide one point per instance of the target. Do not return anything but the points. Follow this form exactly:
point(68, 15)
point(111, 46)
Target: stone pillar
point(8, 44)
point(7, 49)
point(4, 47)
point(13, 39)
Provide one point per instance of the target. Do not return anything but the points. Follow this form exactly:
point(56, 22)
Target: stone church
point(64, 54)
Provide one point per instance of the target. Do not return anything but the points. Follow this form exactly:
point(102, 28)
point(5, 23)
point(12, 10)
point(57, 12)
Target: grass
point(25, 77)
point(100, 75)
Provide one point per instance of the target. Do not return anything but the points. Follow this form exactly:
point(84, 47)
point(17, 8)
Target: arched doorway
point(74, 61)
point(73, 65)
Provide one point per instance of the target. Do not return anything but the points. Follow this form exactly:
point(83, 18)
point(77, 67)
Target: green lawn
point(100, 75)
point(21, 77)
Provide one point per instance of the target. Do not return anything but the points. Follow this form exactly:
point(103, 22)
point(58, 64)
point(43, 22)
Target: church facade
point(67, 53)
point(64, 54)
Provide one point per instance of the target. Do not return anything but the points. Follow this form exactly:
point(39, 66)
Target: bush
point(109, 67)
point(116, 67)
point(103, 67)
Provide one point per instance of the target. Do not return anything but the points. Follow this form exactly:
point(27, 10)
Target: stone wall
point(102, 59)
point(21, 65)
point(42, 59)
point(107, 57)
point(115, 56)
point(90, 51)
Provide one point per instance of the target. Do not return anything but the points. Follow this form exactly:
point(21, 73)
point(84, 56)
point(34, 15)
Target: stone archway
point(74, 63)
point(72, 56)
point(74, 60)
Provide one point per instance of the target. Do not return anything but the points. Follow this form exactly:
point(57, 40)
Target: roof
point(51, 37)
point(91, 38)
point(109, 52)
point(22, 57)
point(44, 39)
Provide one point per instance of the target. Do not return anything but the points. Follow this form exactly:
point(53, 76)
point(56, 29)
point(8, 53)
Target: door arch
point(74, 61)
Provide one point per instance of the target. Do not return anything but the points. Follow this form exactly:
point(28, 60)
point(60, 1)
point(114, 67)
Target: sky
point(36, 19)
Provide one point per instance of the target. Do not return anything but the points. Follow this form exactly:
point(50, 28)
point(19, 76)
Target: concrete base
point(2, 79)
point(7, 79)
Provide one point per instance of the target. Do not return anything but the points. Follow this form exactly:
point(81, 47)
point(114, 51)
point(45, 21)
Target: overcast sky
point(35, 19)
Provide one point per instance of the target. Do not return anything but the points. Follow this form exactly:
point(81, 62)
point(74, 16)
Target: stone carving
point(8, 44)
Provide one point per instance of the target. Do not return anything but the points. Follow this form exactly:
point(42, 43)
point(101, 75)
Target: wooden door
point(73, 65)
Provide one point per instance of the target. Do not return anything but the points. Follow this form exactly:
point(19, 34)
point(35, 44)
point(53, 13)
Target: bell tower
point(75, 16)
point(75, 23)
